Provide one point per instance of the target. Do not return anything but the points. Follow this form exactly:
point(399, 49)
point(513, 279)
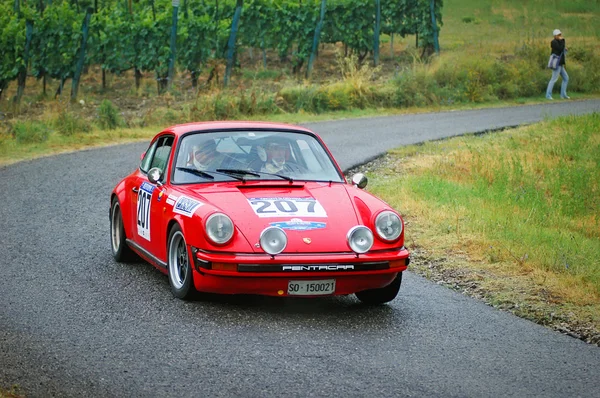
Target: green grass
point(529, 197)
point(30, 132)
point(501, 24)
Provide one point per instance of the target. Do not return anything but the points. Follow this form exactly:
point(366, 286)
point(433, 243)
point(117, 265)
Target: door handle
point(135, 189)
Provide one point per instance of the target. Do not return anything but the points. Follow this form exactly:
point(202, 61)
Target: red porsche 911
point(256, 208)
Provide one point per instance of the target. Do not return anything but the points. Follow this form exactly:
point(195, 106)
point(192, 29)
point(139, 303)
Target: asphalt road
point(75, 323)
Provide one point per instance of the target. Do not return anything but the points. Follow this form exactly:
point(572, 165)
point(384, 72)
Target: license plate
point(311, 288)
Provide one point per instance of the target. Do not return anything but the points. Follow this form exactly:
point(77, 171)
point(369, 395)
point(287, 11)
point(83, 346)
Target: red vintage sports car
point(256, 208)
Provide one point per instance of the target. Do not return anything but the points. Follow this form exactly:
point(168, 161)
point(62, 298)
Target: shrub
point(530, 78)
point(481, 69)
point(162, 117)
point(506, 90)
point(537, 55)
point(355, 90)
point(232, 105)
point(358, 76)
point(383, 95)
point(415, 89)
point(334, 97)
point(580, 54)
point(449, 74)
point(108, 116)
point(67, 123)
point(256, 103)
point(28, 132)
point(584, 76)
point(297, 98)
point(223, 107)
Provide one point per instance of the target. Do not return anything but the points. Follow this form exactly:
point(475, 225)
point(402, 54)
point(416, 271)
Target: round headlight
point(273, 240)
point(388, 225)
point(219, 228)
point(360, 239)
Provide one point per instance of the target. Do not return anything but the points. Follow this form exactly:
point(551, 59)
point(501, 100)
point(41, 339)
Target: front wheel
point(381, 295)
point(180, 267)
point(120, 250)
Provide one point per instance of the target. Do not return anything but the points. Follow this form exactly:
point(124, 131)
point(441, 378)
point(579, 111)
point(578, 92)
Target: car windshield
point(252, 155)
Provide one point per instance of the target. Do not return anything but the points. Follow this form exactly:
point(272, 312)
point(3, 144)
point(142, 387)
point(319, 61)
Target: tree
point(111, 43)
point(195, 44)
point(12, 44)
point(56, 38)
point(231, 43)
point(81, 56)
point(315, 45)
point(376, 32)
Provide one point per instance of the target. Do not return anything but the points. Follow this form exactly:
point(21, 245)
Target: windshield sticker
point(287, 207)
point(297, 224)
point(186, 206)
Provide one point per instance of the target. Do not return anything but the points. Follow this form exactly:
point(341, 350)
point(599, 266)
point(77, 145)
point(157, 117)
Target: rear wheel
point(180, 267)
point(120, 250)
point(381, 295)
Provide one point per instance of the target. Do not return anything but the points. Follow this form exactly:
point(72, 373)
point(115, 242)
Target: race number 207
point(290, 207)
point(143, 213)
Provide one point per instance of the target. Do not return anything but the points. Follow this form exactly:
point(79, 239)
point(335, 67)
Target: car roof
point(181, 129)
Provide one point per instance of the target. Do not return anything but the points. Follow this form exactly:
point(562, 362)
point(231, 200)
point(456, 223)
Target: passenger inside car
point(274, 157)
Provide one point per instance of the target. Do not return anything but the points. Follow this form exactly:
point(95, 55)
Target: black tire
point(381, 295)
point(180, 266)
point(122, 253)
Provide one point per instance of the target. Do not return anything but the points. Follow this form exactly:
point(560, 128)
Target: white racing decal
point(143, 209)
point(186, 206)
point(287, 207)
point(171, 199)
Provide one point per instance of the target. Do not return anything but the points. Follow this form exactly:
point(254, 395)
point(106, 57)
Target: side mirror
point(360, 180)
point(155, 175)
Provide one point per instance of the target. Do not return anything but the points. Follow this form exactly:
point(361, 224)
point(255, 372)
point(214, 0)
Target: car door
point(149, 226)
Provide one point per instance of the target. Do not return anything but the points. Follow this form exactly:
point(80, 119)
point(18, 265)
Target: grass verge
point(512, 217)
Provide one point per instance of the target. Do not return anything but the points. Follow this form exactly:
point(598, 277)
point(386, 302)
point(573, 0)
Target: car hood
point(315, 216)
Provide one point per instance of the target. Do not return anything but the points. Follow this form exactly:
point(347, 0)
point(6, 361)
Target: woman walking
point(558, 48)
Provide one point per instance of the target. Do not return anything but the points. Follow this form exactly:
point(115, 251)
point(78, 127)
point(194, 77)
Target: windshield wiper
point(206, 173)
point(196, 172)
point(253, 173)
point(290, 179)
point(239, 171)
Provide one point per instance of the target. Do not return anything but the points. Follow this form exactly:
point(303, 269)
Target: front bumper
point(266, 275)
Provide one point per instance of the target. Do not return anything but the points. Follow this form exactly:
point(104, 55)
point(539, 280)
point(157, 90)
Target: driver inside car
point(205, 156)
